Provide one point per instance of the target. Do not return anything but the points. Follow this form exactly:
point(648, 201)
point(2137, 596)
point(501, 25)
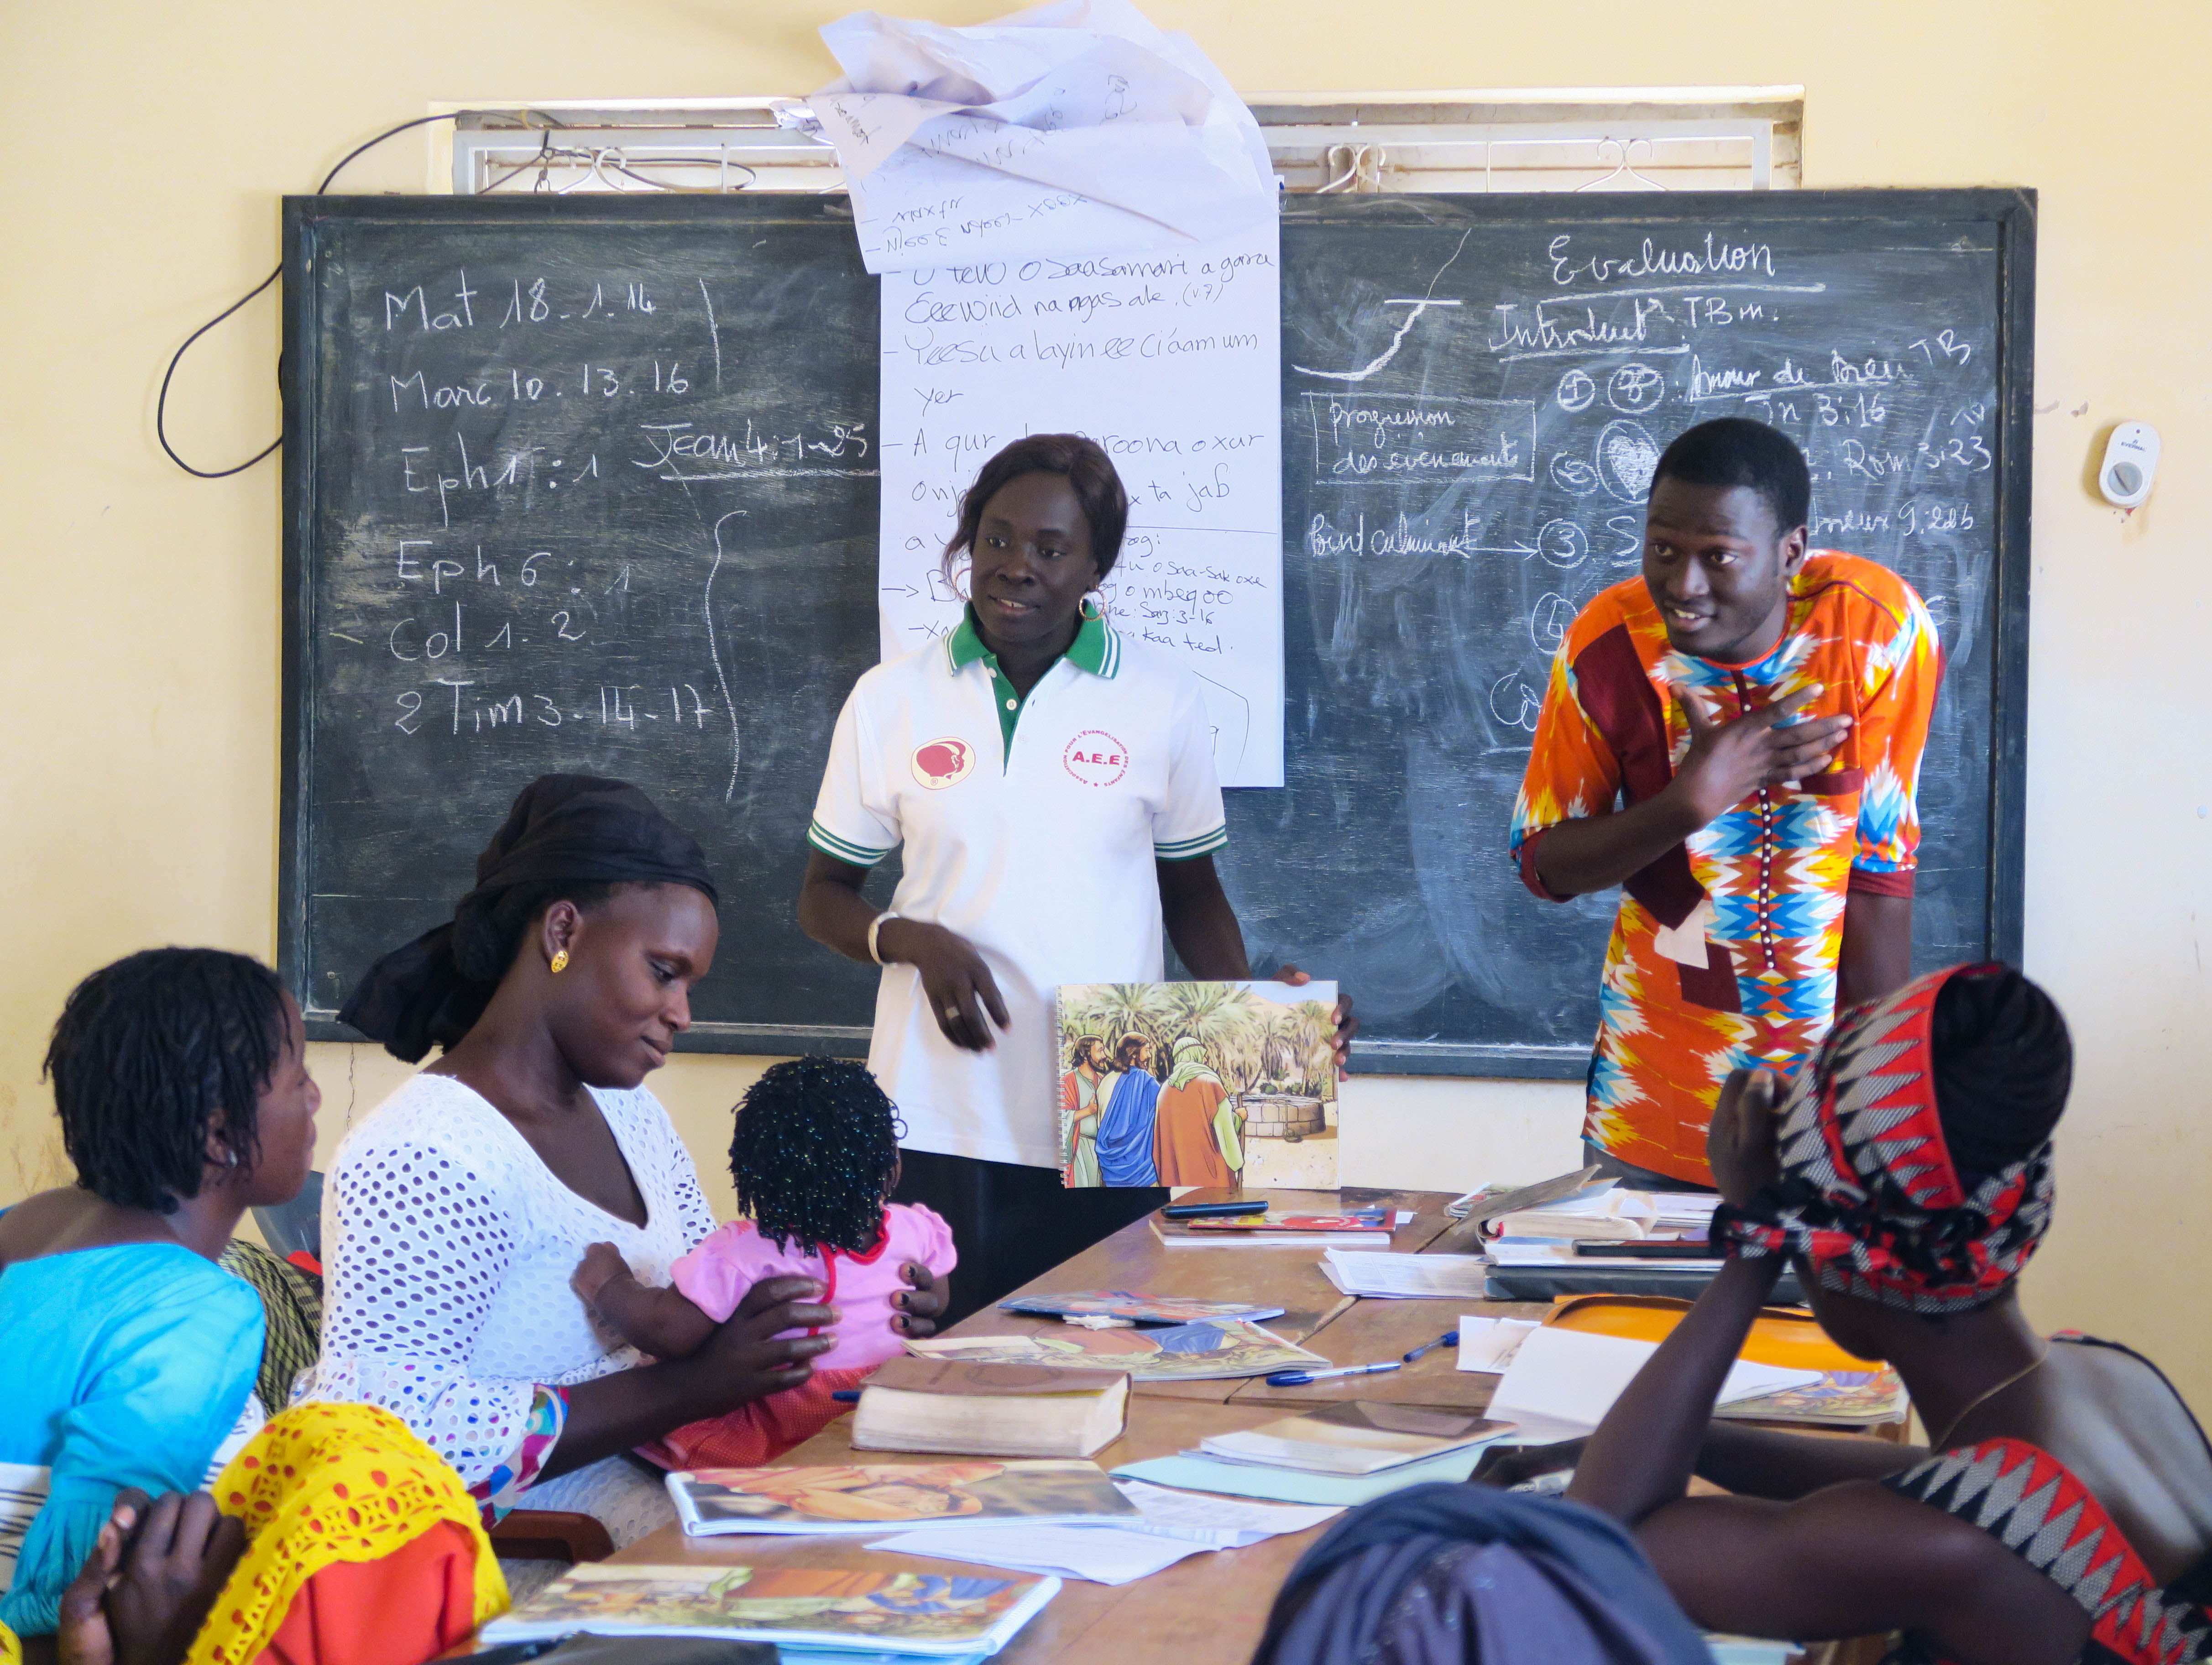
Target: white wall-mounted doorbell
point(2130, 461)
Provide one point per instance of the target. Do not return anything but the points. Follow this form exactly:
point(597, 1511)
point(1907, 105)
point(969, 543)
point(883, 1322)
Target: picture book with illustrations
point(929, 1615)
point(1205, 1352)
point(868, 1497)
point(1216, 1084)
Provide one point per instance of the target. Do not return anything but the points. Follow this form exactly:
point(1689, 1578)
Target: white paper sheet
point(1175, 1524)
point(1173, 362)
point(1071, 128)
point(1101, 1555)
point(1401, 1277)
point(1227, 1523)
point(1561, 1382)
point(1489, 1343)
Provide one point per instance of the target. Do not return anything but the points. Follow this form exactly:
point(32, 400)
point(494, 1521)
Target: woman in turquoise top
point(180, 1075)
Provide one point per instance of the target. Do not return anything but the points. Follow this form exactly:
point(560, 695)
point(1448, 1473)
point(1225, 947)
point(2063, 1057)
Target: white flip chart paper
point(1071, 128)
point(1171, 361)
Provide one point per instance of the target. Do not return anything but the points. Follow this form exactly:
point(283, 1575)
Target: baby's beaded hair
point(816, 1145)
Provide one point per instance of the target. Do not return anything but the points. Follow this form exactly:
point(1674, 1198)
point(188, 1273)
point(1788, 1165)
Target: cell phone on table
point(1202, 1211)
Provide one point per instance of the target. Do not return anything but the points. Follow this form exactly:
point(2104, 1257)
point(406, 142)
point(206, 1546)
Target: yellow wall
point(148, 145)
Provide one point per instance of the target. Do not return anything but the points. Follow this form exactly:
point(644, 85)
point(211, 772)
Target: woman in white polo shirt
point(1052, 784)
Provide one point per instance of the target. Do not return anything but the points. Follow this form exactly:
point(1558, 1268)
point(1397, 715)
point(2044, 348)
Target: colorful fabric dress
point(362, 1548)
point(2026, 1499)
point(1723, 952)
point(124, 1365)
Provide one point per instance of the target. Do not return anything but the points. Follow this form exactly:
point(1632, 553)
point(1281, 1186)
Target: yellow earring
point(560, 961)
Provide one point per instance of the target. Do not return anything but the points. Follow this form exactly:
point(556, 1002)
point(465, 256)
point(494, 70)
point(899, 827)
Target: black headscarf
point(563, 829)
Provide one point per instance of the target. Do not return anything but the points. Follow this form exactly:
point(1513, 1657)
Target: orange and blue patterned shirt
point(1725, 951)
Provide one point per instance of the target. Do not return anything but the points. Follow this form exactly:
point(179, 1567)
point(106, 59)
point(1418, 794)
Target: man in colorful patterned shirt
point(1735, 741)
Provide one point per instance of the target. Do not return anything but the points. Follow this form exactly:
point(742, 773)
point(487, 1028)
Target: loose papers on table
point(1070, 129)
point(1174, 1524)
point(1195, 1471)
point(1488, 1344)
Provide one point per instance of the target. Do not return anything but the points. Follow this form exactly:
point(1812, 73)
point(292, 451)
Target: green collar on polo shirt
point(1095, 649)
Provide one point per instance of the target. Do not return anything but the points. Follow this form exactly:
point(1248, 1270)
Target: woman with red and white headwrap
point(2062, 1509)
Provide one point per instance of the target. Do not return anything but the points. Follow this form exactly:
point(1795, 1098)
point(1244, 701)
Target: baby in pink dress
point(814, 1155)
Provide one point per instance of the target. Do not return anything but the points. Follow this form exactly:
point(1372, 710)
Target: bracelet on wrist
point(875, 925)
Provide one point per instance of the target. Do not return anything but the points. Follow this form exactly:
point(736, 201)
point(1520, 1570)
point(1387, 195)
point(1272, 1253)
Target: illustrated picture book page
point(1221, 1084)
point(1213, 1349)
point(843, 1607)
point(868, 1497)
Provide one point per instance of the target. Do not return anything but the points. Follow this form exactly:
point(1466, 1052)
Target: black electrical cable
point(161, 400)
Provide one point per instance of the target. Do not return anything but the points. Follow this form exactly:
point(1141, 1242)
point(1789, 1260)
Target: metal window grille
point(1697, 139)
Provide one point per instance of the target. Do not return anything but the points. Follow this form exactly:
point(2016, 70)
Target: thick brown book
point(950, 1404)
point(955, 1376)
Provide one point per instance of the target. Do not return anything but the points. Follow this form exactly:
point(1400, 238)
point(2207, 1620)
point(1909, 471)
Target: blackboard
point(590, 485)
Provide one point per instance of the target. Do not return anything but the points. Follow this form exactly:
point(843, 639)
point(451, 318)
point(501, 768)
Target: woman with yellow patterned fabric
point(335, 1537)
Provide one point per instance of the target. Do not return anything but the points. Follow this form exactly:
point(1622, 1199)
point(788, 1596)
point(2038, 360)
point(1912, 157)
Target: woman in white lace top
point(457, 1211)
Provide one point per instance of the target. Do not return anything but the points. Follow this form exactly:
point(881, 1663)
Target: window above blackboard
point(1573, 139)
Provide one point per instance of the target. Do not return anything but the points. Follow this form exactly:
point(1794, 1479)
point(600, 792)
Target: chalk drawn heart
point(1627, 456)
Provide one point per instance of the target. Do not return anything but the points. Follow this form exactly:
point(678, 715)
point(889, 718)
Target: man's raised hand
point(1728, 762)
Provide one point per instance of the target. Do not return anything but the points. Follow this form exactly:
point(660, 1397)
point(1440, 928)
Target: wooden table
point(1208, 1609)
point(1134, 1258)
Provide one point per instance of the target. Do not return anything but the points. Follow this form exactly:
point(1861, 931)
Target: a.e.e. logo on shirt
point(1097, 759)
point(944, 763)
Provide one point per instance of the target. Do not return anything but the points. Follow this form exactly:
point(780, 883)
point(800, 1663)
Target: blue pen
point(1299, 1378)
point(1449, 1337)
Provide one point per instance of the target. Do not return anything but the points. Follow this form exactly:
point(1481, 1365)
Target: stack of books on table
point(1606, 1212)
point(1605, 1237)
point(1404, 1277)
point(1339, 1455)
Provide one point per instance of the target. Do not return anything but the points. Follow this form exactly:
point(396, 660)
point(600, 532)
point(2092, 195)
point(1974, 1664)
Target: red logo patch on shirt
point(1097, 759)
point(944, 763)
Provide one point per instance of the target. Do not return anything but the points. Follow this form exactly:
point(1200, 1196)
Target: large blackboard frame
point(2011, 214)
